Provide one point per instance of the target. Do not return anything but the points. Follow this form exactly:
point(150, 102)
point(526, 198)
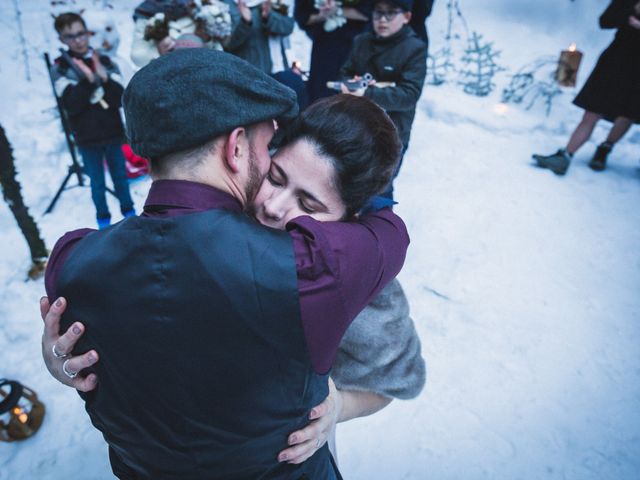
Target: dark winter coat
point(613, 88)
point(419, 13)
point(330, 49)
point(400, 58)
point(251, 41)
point(90, 122)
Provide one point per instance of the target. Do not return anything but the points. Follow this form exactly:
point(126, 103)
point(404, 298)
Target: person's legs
point(92, 157)
point(115, 161)
point(583, 132)
point(559, 162)
point(620, 127)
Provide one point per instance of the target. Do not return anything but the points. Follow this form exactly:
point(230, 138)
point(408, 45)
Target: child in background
point(331, 29)
point(612, 91)
point(391, 53)
point(86, 84)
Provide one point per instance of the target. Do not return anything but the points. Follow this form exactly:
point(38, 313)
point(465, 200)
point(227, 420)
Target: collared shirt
point(341, 266)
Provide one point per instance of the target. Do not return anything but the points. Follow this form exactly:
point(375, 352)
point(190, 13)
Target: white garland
point(336, 20)
point(215, 16)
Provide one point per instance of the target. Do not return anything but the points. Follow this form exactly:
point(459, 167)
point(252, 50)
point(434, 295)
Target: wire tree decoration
point(533, 82)
point(479, 66)
point(440, 64)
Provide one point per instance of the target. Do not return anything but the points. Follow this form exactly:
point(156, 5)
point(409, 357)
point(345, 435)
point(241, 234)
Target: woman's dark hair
point(360, 140)
point(65, 20)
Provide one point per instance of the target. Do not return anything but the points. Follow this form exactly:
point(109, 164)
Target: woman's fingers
point(300, 453)
point(322, 409)
point(64, 345)
point(80, 362)
point(311, 431)
point(44, 307)
point(55, 347)
point(85, 384)
point(52, 317)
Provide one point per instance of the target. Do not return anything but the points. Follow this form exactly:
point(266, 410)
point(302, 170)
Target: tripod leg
point(78, 170)
point(59, 192)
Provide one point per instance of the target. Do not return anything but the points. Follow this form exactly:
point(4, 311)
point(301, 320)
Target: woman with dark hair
point(333, 159)
point(339, 153)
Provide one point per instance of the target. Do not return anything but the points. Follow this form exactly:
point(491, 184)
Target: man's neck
point(220, 182)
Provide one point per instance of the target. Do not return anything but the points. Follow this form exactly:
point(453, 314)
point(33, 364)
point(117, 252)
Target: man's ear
point(236, 148)
point(407, 16)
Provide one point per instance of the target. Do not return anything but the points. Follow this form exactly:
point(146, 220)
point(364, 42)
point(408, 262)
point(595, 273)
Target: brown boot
point(599, 160)
point(37, 269)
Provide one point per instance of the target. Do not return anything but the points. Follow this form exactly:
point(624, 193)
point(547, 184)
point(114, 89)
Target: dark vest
point(203, 369)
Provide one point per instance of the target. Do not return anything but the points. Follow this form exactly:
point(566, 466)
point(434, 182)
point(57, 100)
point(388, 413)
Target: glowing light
point(501, 109)
point(18, 412)
point(572, 47)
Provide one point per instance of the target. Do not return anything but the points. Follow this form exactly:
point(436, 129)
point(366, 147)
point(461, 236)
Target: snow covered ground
point(524, 286)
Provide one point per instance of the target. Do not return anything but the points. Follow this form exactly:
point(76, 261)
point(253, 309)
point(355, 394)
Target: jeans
point(93, 158)
point(388, 193)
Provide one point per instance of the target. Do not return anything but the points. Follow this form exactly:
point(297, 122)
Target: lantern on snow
point(21, 413)
point(567, 71)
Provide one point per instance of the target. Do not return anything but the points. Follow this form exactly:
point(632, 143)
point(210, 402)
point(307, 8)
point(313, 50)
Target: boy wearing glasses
point(391, 53)
point(87, 85)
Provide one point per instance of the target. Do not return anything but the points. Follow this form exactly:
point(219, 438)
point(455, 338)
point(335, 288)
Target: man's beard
point(253, 183)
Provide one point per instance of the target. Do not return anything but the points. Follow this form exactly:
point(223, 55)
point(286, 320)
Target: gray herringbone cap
point(188, 97)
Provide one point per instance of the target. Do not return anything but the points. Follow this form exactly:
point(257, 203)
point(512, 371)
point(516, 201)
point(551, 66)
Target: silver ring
point(56, 354)
point(318, 443)
point(67, 372)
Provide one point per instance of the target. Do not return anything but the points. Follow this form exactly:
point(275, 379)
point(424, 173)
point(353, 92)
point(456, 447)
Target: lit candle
point(568, 65)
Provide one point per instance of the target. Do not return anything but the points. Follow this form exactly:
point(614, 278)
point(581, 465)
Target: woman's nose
point(274, 207)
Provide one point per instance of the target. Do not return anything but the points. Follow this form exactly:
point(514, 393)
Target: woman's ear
point(236, 148)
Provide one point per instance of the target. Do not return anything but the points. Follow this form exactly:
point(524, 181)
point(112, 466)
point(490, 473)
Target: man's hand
point(329, 9)
point(265, 9)
point(356, 93)
point(245, 11)
point(99, 68)
point(85, 70)
point(63, 345)
point(304, 443)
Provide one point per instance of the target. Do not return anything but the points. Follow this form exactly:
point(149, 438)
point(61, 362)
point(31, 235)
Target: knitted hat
point(190, 96)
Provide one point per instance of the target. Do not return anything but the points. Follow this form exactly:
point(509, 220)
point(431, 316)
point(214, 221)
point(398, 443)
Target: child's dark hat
point(405, 5)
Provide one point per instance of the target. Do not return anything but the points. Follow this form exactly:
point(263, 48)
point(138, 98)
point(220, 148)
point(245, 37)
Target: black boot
point(599, 160)
point(558, 162)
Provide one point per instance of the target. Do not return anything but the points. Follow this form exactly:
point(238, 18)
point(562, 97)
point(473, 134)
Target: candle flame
point(572, 47)
point(501, 109)
point(18, 412)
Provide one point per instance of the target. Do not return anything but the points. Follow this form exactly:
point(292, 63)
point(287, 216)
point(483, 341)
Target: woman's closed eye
point(304, 207)
point(274, 180)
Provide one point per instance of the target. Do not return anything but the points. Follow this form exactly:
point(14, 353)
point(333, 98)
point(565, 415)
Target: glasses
point(77, 36)
point(388, 15)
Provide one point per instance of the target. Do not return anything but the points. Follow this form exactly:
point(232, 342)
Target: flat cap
point(190, 96)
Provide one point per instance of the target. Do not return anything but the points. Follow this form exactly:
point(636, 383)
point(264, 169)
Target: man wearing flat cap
point(232, 326)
